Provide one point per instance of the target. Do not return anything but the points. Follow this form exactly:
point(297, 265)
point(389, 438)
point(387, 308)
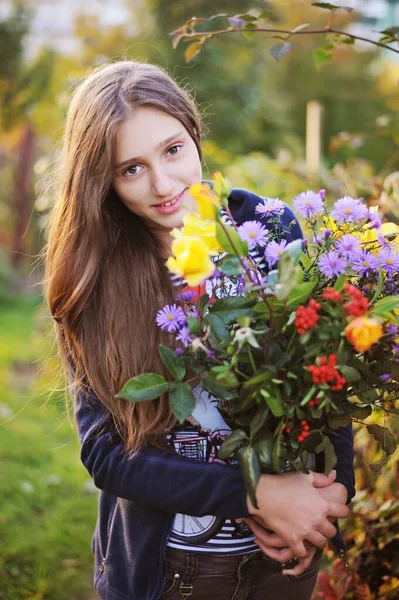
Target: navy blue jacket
point(139, 496)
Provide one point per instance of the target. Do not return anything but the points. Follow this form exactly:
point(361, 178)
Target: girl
point(169, 518)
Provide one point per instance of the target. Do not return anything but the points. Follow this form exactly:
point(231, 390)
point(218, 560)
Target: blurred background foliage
point(255, 132)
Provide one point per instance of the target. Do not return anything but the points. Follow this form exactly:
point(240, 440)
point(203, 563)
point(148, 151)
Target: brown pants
point(247, 577)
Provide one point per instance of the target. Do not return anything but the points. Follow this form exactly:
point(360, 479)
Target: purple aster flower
point(179, 351)
point(327, 233)
point(257, 278)
point(348, 245)
point(308, 204)
point(184, 336)
point(169, 318)
point(193, 312)
point(386, 377)
point(391, 286)
point(270, 207)
point(364, 262)
point(332, 264)
point(318, 240)
point(274, 251)
point(389, 261)
point(254, 233)
point(349, 209)
point(322, 194)
point(240, 284)
point(185, 296)
point(393, 329)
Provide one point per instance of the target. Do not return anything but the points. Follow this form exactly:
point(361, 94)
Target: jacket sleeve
point(162, 480)
point(242, 205)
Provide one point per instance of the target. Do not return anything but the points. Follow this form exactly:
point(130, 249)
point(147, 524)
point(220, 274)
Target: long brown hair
point(105, 277)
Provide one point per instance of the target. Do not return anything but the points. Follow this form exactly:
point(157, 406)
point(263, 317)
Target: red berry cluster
point(325, 372)
point(305, 431)
point(332, 295)
point(358, 304)
point(314, 402)
point(306, 316)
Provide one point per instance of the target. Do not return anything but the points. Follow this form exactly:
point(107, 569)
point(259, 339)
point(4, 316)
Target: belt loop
point(186, 586)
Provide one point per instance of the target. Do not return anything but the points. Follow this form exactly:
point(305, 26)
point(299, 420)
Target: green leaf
point(231, 443)
point(340, 283)
point(294, 250)
point(329, 6)
point(351, 375)
point(384, 437)
point(231, 266)
point(385, 305)
point(264, 449)
point(229, 239)
point(182, 400)
point(280, 50)
point(277, 448)
point(330, 458)
point(311, 392)
point(230, 308)
point(225, 376)
point(380, 284)
point(250, 467)
point(335, 421)
point(192, 50)
point(218, 327)
point(194, 325)
point(203, 303)
point(174, 364)
point(288, 275)
point(322, 55)
point(249, 30)
point(274, 401)
point(359, 412)
point(147, 386)
point(212, 385)
point(258, 420)
point(300, 294)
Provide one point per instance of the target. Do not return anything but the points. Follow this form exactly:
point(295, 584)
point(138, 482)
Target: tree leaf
point(194, 325)
point(322, 55)
point(384, 437)
point(264, 450)
point(335, 421)
point(351, 375)
point(218, 327)
point(329, 6)
point(280, 50)
point(250, 467)
point(231, 443)
point(274, 401)
point(213, 387)
point(174, 364)
point(330, 458)
point(146, 386)
point(258, 420)
point(182, 400)
point(359, 412)
point(192, 50)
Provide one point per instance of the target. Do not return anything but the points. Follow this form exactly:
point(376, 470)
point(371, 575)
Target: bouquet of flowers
point(293, 339)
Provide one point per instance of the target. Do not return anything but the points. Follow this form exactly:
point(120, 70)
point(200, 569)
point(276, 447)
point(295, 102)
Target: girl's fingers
point(282, 556)
point(327, 530)
point(317, 539)
point(304, 563)
point(338, 509)
point(269, 539)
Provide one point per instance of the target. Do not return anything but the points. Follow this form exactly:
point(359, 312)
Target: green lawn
point(47, 502)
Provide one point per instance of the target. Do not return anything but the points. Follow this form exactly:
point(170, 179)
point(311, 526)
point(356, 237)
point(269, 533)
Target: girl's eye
point(133, 170)
point(174, 149)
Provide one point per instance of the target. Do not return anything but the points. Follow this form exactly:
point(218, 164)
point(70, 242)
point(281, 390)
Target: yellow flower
point(208, 203)
point(336, 230)
point(363, 332)
point(191, 259)
point(389, 229)
point(204, 229)
point(369, 239)
point(222, 186)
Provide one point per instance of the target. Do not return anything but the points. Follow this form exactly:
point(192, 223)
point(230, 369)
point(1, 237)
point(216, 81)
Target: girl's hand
point(290, 506)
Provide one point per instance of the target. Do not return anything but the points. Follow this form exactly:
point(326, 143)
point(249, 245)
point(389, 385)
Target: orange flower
point(363, 332)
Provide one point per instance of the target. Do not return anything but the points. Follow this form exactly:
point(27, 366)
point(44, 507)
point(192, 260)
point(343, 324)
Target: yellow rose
point(222, 186)
point(191, 259)
point(208, 203)
point(206, 230)
point(363, 332)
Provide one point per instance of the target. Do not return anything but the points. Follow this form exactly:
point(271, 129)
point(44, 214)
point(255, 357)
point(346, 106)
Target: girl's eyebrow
point(157, 147)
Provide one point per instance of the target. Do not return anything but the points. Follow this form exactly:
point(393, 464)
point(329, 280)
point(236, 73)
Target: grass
point(47, 503)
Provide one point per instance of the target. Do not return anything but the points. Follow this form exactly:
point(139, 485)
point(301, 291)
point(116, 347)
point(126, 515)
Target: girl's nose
point(162, 183)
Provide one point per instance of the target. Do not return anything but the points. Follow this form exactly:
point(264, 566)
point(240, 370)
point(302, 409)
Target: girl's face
point(156, 163)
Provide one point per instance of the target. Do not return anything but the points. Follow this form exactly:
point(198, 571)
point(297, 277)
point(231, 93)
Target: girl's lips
point(172, 208)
